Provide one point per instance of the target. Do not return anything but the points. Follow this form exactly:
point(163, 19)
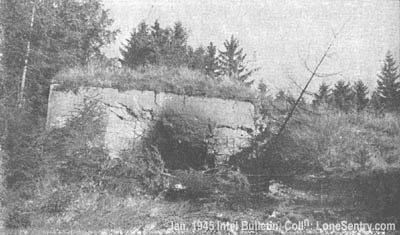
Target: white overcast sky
point(279, 33)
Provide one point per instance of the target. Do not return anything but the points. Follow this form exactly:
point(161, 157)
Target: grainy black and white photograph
point(230, 117)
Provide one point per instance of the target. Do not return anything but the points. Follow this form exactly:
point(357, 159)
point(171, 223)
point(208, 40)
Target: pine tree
point(232, 61)
point(160, 39)
point(139, 51)
point(157, 46)
point(376, 102)
point(211, 64)
point(343, 96)
point(179, 39)
point(63, 34)
point(389, 84)
point(196, 58)
point(360, 95)
point(175, 50)
point(323, 95)
point(157, 33)
point(284, 100)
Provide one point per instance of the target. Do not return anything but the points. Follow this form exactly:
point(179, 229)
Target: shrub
point(351, 143)
point(357, 143)
point(279, 158)
point(137, 171)
point(76, 155)
point(55, 199)
point(181, 135)
point(60, 158)
point(22, 162)
point(18, 210)
point(21, 166)
point(17, 217)
point(75, 152)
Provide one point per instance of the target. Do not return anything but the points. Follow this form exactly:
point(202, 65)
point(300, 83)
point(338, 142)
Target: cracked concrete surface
point(129, 114)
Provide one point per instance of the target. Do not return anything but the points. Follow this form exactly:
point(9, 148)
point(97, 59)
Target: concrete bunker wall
point(128, 115)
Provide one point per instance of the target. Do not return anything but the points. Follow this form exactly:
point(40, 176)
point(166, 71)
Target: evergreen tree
point(178, 49)
point(360, 95)
point(232, 61)
point(158, 34)
point(343, 96)
point(62, 34)
point(284, 101)
point(389, 85)
point(159, 46)
point(197, 58)
point(139, 51)
point(173, 50)
point(323, 95)
point(211, 64)
point(160, 39)
point(376, 102)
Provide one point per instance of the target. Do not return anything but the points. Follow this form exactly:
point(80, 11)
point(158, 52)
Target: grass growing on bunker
point(180, 81)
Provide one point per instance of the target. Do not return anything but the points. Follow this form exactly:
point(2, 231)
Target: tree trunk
point(21, 98)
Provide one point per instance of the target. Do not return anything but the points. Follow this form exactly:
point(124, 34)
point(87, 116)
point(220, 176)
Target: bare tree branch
point(298, 86)
point(321, 75)
point(314, 73)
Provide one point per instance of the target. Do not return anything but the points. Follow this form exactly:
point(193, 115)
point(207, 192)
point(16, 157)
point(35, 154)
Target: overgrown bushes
point(21, 164)
point(277, 157)
point(326, 140)
point(75, 153)
point(75, 162)
point(357, 152)
point(181, 134)
point(137, 171)
point(174, 159)
point(354, 142)
point(46, 175)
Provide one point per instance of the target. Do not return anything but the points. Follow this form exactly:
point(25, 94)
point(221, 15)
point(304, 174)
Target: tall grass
point(182, 81)
point(350, 143)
